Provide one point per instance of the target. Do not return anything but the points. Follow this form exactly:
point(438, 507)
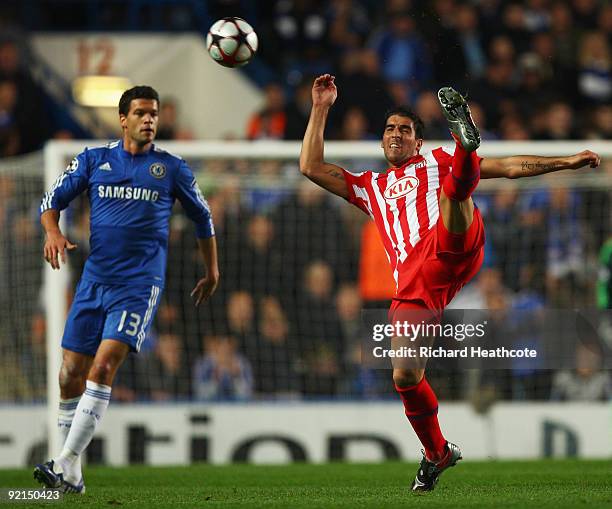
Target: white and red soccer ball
point(231, 42)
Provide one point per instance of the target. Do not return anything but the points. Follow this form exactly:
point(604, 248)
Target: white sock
point(67, 408)
point(89, 412)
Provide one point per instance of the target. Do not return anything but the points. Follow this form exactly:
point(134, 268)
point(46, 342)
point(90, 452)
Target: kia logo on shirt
point(401, 187)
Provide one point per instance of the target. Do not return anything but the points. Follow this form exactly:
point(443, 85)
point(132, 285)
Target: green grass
point(542, 484)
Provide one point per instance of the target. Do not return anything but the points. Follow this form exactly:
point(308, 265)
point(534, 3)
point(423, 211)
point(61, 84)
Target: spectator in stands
point(588, 382)
point(319, 329)
point(477, 294)
point(495, 91)
point(357, 380)
point(502, 49)
point(169, 125)
point(543, 46)
point(362, 67)
point(223, 373)
point(439, 27)
point(259, 267)
point(513, 128)
point(167, 316)
point(563, 32)
point(428, 108)
point(559, 123)
point(534, 87)
point(403, 54)
point(595, 69)
point(459, 48)
point(33, 122)
point(530, 246)
point(10, 139)
point(241, 315)
point(585, 13)
point(266, 190)
point(271, 120)
point(527, 326)
point(349, 305)
point(599, 125)
point(164, 373)
point(443, 13)
point(355, 126)
point(565, 246)
point(275, 354)
point(298, 110)
point(504, 228)
point(349, 25)
point(515, 26)
point(471, 41)
point(230, 219)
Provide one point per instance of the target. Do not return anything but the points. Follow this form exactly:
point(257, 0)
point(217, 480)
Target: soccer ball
point(231, 42)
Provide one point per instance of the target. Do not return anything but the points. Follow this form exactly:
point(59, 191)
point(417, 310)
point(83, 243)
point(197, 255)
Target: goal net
point(297, 267)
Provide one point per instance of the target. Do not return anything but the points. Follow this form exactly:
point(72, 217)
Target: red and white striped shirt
point(403, 202)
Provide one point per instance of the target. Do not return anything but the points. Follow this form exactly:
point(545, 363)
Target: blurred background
point(297, 264)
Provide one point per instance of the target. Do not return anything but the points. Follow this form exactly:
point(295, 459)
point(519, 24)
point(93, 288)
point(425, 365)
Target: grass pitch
point(542, 484)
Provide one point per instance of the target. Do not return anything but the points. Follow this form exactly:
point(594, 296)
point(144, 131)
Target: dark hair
point(138, 92)
point(406, 111)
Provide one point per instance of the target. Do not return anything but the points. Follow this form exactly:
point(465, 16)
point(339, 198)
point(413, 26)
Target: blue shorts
point(100, 311)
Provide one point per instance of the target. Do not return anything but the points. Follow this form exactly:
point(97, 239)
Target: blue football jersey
point(131, 198)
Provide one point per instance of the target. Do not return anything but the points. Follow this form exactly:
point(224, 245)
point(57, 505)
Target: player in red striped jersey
point(432, 232)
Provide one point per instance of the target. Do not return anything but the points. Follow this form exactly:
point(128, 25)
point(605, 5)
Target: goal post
point(57, 155)
point(55, 291)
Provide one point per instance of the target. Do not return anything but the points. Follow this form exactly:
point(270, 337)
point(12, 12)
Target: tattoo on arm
point(528, 167)
point(335, 173)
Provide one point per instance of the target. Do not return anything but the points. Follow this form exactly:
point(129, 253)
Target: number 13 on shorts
point(133, 321)
point(131, 310)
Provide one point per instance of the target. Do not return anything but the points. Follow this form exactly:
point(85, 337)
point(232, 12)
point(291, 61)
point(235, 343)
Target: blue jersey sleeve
point(68, 185)
point(188, 192)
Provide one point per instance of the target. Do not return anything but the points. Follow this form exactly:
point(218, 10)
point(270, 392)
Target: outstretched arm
point(529, 166)
point(328, 176)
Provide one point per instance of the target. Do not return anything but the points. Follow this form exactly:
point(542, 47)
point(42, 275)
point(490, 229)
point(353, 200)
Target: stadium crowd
point(296, 267)
point(537, 69)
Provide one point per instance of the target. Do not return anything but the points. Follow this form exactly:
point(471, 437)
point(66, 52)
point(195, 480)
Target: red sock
point(460, 183)
point(421, 407)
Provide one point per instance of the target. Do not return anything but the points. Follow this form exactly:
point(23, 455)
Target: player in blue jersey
point(131, 185)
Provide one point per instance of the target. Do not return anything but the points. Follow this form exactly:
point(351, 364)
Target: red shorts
point(439, 266)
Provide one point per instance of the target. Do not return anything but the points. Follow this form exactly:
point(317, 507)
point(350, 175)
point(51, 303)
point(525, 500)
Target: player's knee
point(71, 379)
point(407, 377)
point(102, 371)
